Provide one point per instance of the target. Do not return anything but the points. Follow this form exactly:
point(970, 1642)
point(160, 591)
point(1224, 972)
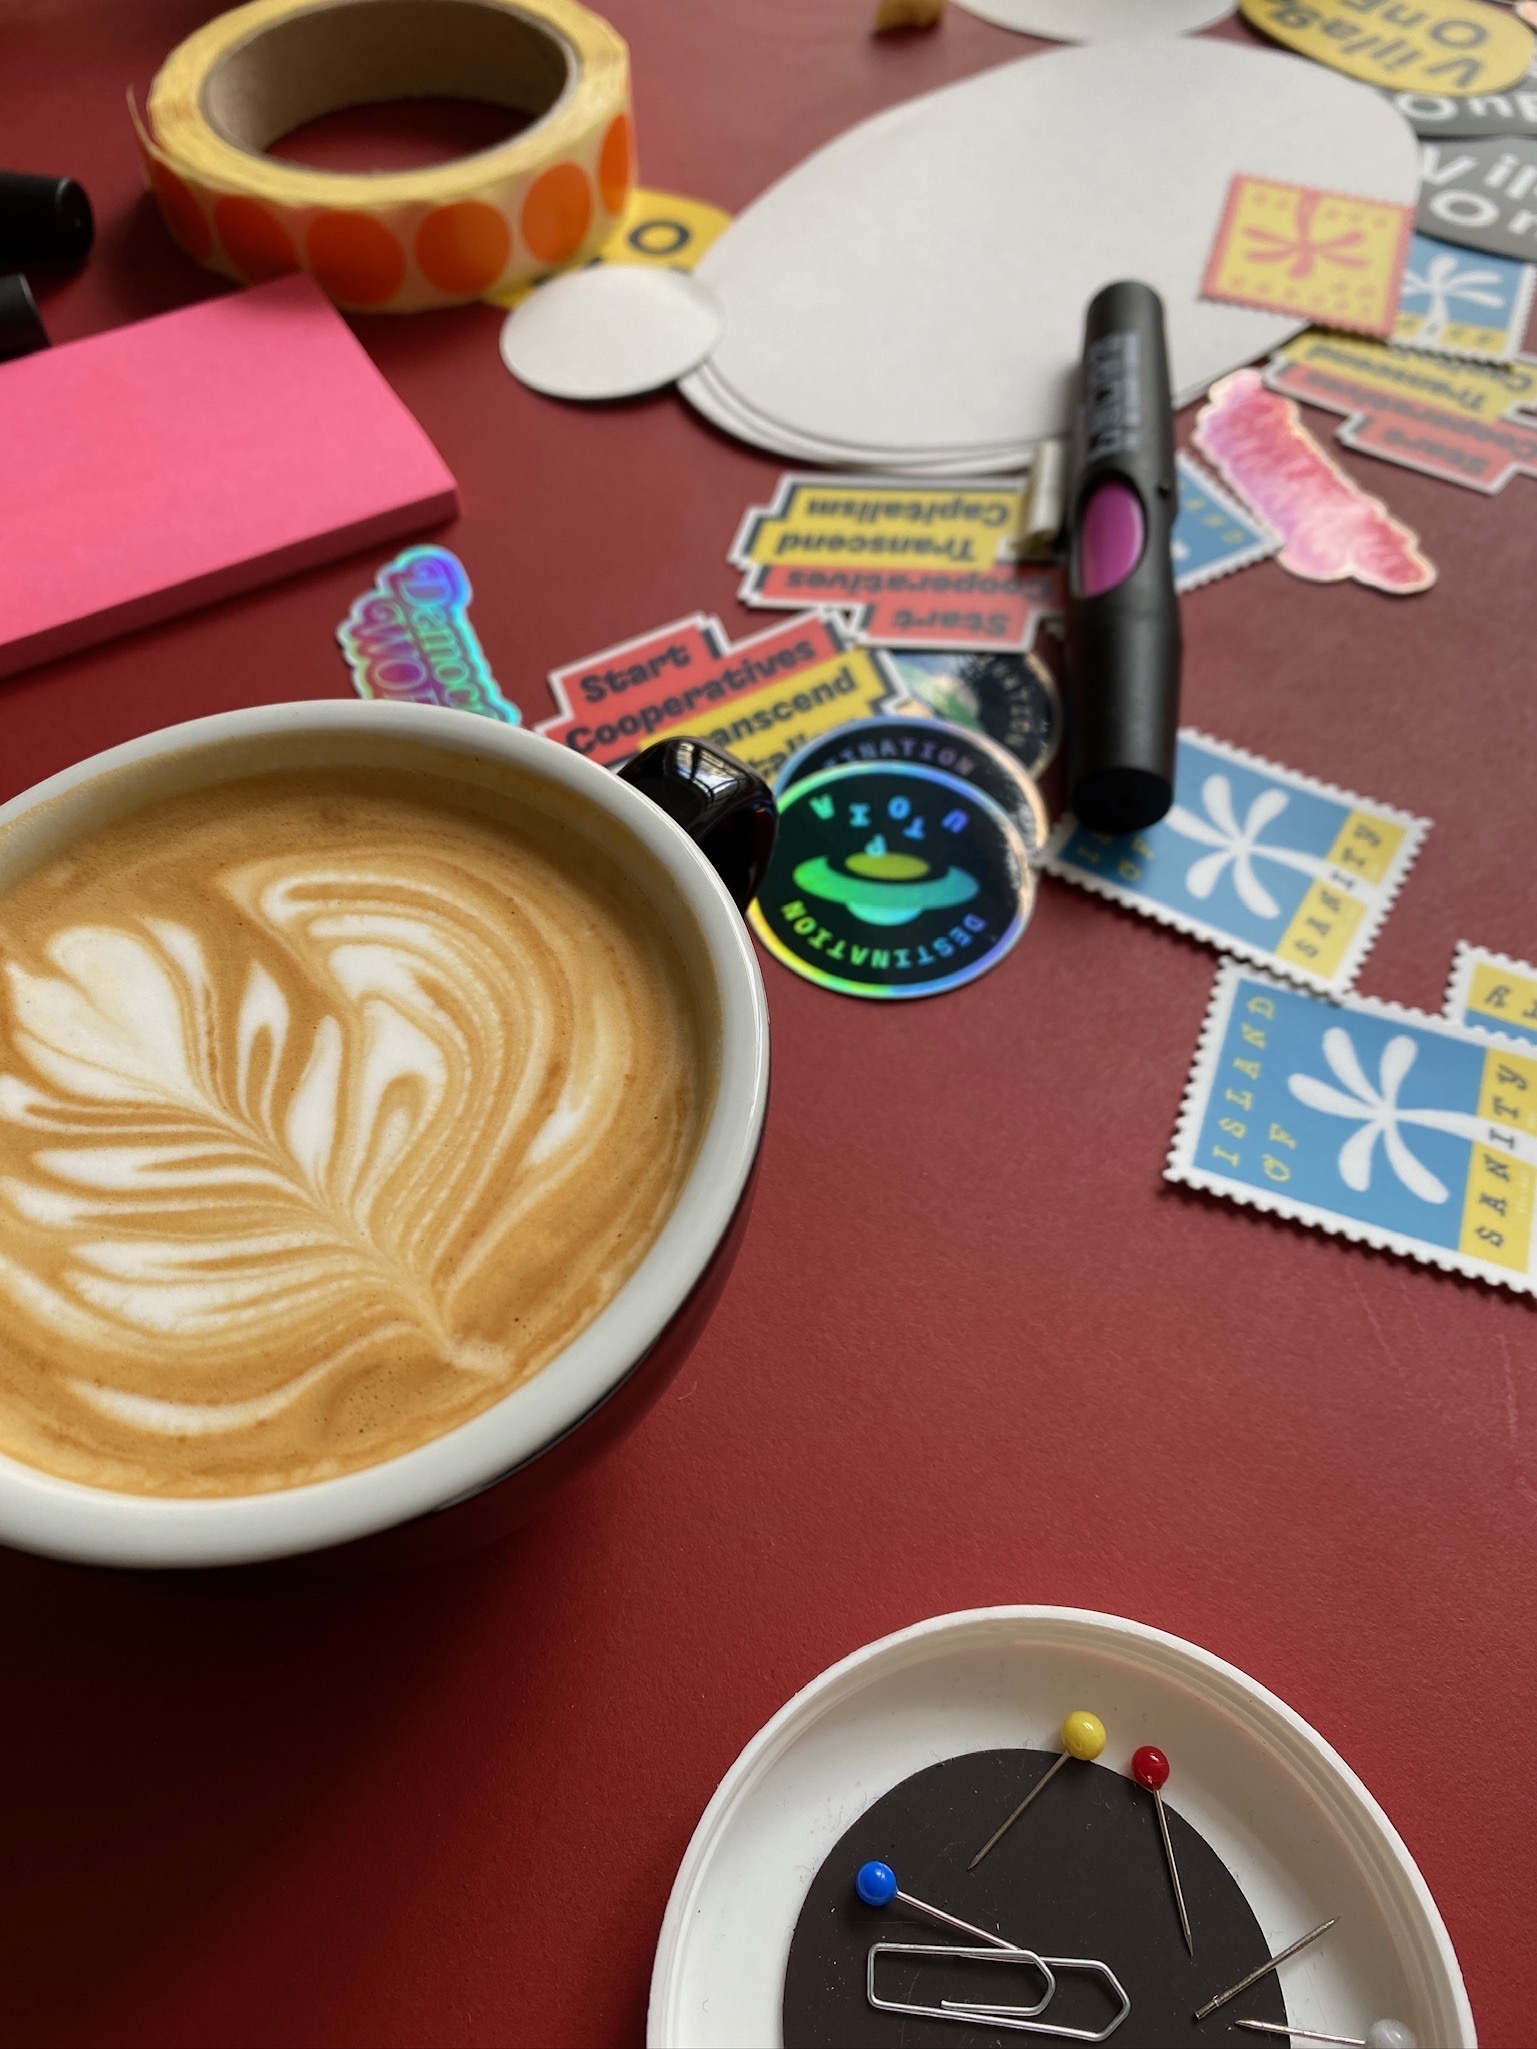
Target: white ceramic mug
point(513, 1453)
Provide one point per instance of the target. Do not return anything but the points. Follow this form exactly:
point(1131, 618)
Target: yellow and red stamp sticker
point(1328, 257)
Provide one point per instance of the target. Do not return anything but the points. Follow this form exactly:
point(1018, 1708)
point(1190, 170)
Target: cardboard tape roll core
point(393, 241)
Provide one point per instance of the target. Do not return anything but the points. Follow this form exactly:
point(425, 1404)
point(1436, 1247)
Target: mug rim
point(45, 1513)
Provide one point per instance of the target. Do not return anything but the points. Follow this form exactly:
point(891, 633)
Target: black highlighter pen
point(1123, 639)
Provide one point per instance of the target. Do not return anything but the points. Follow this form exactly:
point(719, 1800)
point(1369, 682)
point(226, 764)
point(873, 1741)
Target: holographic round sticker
point(891, 879)
point(1011, 697)
point(930, 743)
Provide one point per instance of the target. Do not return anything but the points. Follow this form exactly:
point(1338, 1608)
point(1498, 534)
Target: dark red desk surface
point(975, 1350)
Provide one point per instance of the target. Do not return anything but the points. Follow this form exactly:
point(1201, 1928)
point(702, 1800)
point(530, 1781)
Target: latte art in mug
point(332, 1107)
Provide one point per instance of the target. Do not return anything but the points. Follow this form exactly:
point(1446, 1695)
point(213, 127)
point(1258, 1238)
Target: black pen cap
point(1123, 637)
point(43, 221)
point(21, 327)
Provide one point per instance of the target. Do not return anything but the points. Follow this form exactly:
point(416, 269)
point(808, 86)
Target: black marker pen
point(1123, 640)
point(43, 221)
point(21, 326)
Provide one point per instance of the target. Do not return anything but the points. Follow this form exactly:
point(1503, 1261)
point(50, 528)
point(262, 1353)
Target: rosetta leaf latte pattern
point(275, 1160)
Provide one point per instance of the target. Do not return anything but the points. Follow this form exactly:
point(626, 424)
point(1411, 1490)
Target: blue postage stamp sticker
point(1462, 302)
point(1258, 860)
point(1395, 1129)
point(1213, 533)
point(1490, 992)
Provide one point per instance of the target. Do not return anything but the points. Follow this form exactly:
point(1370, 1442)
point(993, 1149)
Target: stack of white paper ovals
point(1094, 21)
point(911, 297)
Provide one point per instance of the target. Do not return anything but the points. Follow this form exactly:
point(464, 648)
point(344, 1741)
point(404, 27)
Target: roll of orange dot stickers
point(392, 241)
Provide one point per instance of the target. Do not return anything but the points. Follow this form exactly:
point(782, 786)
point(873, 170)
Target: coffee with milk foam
point(333, 1106)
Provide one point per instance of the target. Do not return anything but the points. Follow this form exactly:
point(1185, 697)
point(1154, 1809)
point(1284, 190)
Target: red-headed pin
point(1150, 1768)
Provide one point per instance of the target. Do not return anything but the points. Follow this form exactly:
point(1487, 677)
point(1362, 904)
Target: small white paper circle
point(610, 331)
point(1097, 21)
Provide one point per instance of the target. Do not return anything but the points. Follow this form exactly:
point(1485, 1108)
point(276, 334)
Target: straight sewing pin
point(1270, 1964)
point(1380, 2035)
point(1083, 1736)
point(1150, 1768)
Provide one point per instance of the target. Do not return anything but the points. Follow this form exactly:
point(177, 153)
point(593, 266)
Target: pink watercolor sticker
point(1331, 528)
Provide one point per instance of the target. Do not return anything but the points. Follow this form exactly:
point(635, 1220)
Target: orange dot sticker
point(356, 259)
point(254, 239)
point(184, 217)
point(616, 165)
point(557, 213)
point(463, 248)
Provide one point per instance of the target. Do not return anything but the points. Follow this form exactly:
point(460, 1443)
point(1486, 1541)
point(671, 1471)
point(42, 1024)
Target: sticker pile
point(904, 702)
point(761, 698)
point(1411, 1133)
point(1419, 336)
point(914, 566)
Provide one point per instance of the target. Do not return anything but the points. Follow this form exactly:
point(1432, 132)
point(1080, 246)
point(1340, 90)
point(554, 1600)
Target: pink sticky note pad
point(156, 467)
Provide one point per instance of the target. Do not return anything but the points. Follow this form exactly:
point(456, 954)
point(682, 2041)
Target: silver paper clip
point(1002, 2016)
point(876, 1884)
point(1017, 2018)
point(966, 1955)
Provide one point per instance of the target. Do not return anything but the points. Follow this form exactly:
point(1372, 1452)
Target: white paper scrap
point(611, 331)
point(1098, 21)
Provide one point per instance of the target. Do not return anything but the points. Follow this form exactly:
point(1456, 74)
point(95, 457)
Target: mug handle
point(725, 807)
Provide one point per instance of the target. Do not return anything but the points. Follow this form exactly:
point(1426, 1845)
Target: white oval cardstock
point(1097, 21)
point(920, 283)
point(612, 331)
